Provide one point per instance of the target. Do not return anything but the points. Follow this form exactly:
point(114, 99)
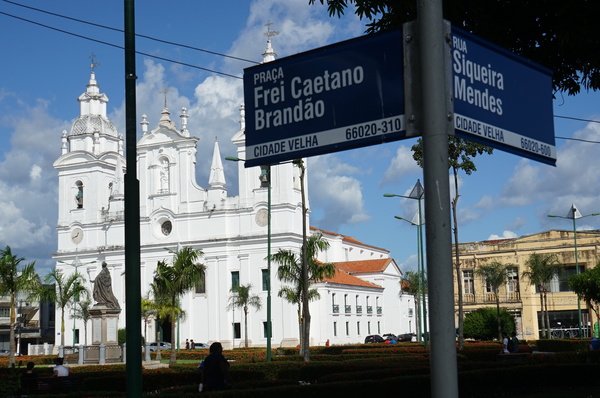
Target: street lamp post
point(574, 215)
point(265, 178)
point(417, 194)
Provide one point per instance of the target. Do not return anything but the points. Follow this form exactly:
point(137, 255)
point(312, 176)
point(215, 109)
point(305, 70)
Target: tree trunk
point(459, 286)
point(173, 356)
point(543, 317)
point(548, 331)
point(305, 310)
point(246, 326)
point(498, 316)
point(11, 334)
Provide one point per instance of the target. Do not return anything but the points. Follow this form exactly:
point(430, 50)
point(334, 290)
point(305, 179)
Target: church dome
point(88, 124)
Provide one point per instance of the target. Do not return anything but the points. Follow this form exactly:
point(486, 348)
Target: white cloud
point(401, 165)
point(505, 235)
point(338, 196)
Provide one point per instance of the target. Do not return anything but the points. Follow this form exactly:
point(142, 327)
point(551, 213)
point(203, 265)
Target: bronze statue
point(103, 294)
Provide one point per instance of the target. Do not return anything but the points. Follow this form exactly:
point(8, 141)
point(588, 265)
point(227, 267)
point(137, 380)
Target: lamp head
point(389, 195)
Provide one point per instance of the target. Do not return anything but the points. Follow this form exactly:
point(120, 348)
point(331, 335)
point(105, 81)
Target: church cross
point(269, 33)
point(164, 92)
point(93, 64)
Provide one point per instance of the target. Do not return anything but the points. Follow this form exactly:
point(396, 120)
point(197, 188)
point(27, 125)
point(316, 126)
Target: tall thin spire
point(217, 175)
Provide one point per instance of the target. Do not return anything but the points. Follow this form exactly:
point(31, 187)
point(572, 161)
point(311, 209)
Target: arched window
point(79, 194)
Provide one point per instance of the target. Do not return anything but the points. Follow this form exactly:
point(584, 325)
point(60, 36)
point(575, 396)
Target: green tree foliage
point(16, 280)
point(242, 298)
point(587, 286)
point(173, 281)
point(290, 271)
point(494, 275)
point(541, 269)
point(410, 284)
point(482, 324)
point(83, 312)
point(556, 34)
point(66, 288)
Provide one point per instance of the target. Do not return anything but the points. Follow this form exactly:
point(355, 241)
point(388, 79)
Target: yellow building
point(519, 296)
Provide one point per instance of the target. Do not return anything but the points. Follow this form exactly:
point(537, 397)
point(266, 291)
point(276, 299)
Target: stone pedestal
point(105, 322)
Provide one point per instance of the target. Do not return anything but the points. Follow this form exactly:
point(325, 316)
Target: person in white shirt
point(60, 370)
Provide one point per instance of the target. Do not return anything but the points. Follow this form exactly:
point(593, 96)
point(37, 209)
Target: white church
point(176, 211)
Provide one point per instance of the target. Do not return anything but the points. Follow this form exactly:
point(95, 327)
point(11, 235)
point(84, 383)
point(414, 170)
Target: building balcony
point(336, 309)
point(489, 298)
point(359, 309)
point(348, 309)
point(379, 310)
point(369, 309)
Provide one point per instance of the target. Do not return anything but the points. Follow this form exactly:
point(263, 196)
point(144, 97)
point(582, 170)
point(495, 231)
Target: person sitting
point(29, 380)
point(60, 370)
point(215, 373)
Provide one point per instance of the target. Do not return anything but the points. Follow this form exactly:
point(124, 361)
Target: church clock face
point(166, 228)
point(262, 217)
point(77, 235)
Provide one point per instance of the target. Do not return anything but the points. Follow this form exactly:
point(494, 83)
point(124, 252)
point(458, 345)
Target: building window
point(237, 331)
point(334, 329)
point(410, 312)
point(4, 312)
point(468, 286)
point(369, 327)
point(235, 279)
point(369, 307)
point(265, 279)
point(378, 327)
point(347, 328)
point(335, 306)
point(347, 307)
point(201, 286)
point(562, 281)
point(358, 328)
point(512, 283)
point(266, 330)
point(79, 194)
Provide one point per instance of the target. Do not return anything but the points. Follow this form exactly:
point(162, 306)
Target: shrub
point(482, 324)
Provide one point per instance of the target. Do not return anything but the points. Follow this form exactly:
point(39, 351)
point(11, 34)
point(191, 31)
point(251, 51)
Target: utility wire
point(138, 35)
point(120, 47)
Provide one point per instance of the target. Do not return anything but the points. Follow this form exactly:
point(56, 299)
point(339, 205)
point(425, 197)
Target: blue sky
point(44, 71)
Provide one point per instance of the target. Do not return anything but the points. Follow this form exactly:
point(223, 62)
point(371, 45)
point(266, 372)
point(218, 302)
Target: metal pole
point(435, 129)
point(422, 278)
point(133, 293)
point(269, 264)
point(577, 271)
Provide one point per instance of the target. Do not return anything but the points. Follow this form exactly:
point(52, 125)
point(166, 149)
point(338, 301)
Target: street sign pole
point(436, 124)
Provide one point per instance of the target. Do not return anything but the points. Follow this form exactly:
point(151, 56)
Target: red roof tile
point(343, 278)
point(363, 266)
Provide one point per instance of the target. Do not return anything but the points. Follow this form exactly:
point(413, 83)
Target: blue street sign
point(338, 97)
point(501, 99)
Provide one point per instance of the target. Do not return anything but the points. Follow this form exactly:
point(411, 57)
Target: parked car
point(200, 345)
point(406, 337)
point(163, 346)
point(374, 338)
point(390, 336)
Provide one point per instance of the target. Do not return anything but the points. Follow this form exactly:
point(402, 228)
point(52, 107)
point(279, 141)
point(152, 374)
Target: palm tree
point(83, 313)
point(542, 268)
point(242, 298)
point(64, 291)
point(15, 280)
point(495, 275)
point(410, 285)
point(290, 271)
point(172, 282)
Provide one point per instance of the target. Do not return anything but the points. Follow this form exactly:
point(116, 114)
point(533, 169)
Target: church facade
point(175, 211)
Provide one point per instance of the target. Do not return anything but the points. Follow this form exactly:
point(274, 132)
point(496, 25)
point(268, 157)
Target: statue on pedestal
point(103, 294)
